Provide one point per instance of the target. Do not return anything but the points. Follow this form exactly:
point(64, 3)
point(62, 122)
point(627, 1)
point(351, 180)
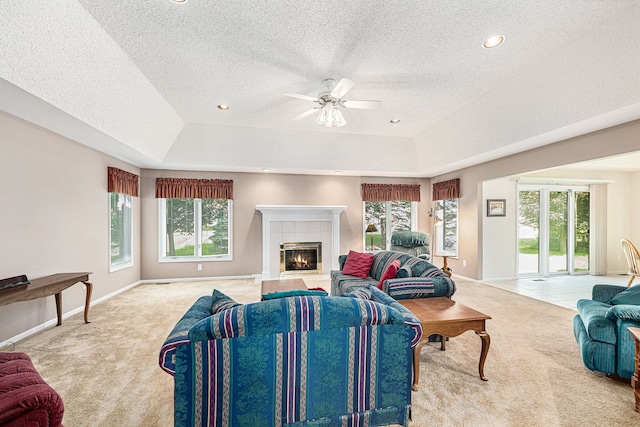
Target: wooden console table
point(49, 285)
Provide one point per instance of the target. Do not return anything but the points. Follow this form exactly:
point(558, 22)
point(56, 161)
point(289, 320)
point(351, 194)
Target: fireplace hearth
point(300, 258)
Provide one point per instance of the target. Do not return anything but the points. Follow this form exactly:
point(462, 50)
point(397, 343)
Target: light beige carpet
point(107, 371)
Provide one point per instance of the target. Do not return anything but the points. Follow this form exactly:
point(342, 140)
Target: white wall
point(500, 234)
point(499, 243)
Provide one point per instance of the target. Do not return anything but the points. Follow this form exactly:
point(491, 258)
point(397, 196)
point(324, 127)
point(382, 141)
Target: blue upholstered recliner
point(414, 243)
point(600, 327)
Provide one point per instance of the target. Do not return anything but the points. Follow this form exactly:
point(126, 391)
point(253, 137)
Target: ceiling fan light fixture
point(330, 116)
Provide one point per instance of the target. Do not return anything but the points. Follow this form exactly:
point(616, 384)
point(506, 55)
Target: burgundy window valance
point(187, 188)
point(446, 189)
point(390, 192)
point(119, 181)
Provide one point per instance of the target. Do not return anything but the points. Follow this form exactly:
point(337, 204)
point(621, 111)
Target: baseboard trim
point(202, 279)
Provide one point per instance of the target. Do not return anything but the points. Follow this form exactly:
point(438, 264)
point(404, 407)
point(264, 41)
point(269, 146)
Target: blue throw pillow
point(221, 302)
point(295, 293)
point(629, 296)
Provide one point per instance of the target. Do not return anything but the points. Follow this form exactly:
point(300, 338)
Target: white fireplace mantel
point(297, 213)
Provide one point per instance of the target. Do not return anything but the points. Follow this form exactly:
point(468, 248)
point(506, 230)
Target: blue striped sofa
point(295, 361)
point(417, 278)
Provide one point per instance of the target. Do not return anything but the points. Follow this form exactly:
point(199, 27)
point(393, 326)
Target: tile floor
point(564, 291)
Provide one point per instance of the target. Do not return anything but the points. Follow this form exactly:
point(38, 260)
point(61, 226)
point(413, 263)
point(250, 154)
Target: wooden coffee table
point(281, 285)
point(447, 318)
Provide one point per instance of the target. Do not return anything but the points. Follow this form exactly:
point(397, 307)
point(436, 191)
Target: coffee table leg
point(486, 341)
point(416, 364)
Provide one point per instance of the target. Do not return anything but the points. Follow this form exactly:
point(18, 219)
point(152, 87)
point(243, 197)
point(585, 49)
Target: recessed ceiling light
point(266, 170)
point(179, 1)
point(493, 41)
point(223, 107)
point(337, 172)
point(394, 121)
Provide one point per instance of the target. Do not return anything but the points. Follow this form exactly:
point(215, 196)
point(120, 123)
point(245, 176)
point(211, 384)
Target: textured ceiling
point(141, 80)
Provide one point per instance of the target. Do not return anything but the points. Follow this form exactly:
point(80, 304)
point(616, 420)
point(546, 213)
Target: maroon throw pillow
point(390, 272)
point(357, 264)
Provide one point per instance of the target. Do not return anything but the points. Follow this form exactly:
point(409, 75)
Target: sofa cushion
point(357, 264)
point(404, 271)
point(624, 311)
point(410, 287)
point(629, 296)
point(295, 293)
point(361, 292)
point(390, 272)
point(596, 324)
point(221, 302)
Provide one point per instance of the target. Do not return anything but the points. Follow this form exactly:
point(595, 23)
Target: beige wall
point(251, 189)
point(620, 139)
point(54, 217)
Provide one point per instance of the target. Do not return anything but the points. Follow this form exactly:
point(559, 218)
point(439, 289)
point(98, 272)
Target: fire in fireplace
point(301, 258)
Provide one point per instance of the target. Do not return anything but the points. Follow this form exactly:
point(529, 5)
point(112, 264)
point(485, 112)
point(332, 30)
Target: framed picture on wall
point(496, 207)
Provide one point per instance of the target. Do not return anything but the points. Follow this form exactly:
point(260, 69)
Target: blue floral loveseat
point(293, 361)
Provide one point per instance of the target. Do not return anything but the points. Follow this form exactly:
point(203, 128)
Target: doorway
point(553, 230)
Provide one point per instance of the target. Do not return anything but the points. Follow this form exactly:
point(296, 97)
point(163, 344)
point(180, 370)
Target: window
point(393, 216)
point(195, 229)
point(120, 223)
point(445, 217)
point(445, 228)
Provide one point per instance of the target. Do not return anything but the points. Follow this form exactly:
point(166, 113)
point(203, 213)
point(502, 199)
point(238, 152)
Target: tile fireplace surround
point(299, 223)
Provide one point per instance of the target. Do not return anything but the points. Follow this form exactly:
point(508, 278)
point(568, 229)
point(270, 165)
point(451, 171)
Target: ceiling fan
point(330, 102)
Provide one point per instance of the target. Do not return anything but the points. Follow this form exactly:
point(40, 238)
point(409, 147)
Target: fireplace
point(299, 223)
point(301, 258)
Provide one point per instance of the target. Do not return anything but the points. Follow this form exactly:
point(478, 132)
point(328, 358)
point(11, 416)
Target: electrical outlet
point(199, 267)
point(510, 263)
point(464, 262)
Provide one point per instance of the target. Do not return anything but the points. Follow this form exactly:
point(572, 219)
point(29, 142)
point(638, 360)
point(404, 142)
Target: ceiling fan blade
point(299, 96)
point(368, 105)
point(342, 88)
point(305, 114)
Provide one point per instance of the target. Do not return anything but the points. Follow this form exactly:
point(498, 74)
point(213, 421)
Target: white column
point(266, 243)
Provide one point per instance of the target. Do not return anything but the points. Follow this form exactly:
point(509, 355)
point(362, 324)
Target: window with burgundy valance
point(388, 208)
point(445, 195)
point(195, 219)
point(122, 186)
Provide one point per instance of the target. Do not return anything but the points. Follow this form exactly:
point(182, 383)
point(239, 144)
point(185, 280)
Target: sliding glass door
point(553, 230)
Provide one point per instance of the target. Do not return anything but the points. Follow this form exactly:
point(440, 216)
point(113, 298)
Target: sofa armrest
point(201, 309)
point(604, 293)
point(408, 316)
point(341, 261)
point(624, 312)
